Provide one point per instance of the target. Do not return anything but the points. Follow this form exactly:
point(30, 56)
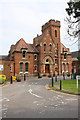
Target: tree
point(73, 19)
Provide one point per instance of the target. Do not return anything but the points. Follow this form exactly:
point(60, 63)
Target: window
point(62, 49)
point(44, 47)
point(50, 47)
point(65, 56)
point(26, 67)
point(55, 33)
point(35, 68)
point(10, 68)
point(67, 67)
point(21, 67)
point(35, 57)
point(63, 66)
point(47, 60)
point(24, 54)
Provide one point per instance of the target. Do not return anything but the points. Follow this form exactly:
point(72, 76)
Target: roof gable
point(22, 44)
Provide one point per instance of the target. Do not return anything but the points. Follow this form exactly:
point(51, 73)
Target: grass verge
point(68, 86)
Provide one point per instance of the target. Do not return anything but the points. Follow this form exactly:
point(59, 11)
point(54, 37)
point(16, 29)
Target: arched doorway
point(47, 68)
point(48, 65)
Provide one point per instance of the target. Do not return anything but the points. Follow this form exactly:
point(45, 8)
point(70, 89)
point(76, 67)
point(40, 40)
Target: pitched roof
point(22, 44)
point(75, 54)
point(4, 58)
point(65, 49)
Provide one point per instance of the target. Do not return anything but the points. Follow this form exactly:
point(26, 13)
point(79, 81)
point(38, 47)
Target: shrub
point(2, 79)
point(18, 79)
point(68, 74)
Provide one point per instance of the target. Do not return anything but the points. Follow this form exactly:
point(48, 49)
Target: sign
point(13, 78)
point(1, 67)
point(77, 78)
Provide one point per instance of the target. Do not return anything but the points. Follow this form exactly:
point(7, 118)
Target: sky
point(24, 18)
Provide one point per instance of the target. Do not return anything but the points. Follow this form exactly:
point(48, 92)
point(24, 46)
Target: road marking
point(30, 91)
point(3, 109)
point(35, 101)
point(4, 99)
point(36, 83)
point(71, 99)
point(45, 106)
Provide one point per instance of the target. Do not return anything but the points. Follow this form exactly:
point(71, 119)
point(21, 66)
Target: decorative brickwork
point(47, 56)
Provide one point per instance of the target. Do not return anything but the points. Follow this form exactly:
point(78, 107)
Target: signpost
point(77, 80)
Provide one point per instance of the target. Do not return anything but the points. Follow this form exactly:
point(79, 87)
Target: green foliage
point(18, 78)
point(2, 78)
point(73, 9)
point(68, 73)
point(73, 18)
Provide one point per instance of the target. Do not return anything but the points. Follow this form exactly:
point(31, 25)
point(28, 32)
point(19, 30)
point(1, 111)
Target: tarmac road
point(30, 99)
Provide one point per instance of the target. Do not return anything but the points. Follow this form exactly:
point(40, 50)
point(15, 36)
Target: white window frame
point(34, 56)
point(34, 68)
point(11, 66)
point(28, 67)
point(20, 68)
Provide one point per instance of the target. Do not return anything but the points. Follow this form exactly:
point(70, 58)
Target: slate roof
point(4, 58)
point(75, 54)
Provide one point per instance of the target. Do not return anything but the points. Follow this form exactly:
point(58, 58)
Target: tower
point(54, 30)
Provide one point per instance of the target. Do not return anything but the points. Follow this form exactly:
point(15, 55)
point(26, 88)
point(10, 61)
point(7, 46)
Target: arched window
point(63, 67)
point(44, 47)
point(55, 33)
point(65, 56)
point(67, 67)
point(47, 60)
point(50, 47)
point(35, 57)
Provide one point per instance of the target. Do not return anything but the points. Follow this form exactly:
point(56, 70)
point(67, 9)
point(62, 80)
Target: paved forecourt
point(31, 99)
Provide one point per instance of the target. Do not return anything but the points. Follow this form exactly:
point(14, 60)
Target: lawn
point(71, 85)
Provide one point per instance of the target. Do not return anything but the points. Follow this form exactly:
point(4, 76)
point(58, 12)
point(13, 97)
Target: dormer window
point(23, 54)
point(35, 57)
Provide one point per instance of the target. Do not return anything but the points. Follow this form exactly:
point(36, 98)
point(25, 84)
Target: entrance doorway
point(47, 68)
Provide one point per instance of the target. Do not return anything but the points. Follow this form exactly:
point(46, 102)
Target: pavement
point(32, 99)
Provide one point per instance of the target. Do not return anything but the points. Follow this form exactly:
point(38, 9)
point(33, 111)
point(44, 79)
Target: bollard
point(11, 80)
point(60, 84)
point(71, 76)
point(63, 77)
point(52, 82)
point(56, 78)
point(24, 77)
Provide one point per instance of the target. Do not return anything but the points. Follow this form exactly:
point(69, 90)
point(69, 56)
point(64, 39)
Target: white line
point(4, 99)
point(30, 91)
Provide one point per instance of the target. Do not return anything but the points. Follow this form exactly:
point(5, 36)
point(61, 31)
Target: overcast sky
point(24, 18)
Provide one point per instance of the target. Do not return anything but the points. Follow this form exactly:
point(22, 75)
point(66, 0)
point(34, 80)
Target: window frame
point(23, 54)
point(50, 47)
point(26, 67)
point(35, 58)
point(35, 66)
point(21, 67)
point(55, 33)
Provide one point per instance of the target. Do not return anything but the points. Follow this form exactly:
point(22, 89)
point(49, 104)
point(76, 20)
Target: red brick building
point(76, 62)
point(46, 56)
